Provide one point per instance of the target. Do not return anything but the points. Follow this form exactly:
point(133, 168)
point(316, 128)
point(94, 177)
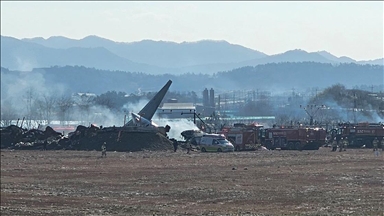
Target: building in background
point(172, 110)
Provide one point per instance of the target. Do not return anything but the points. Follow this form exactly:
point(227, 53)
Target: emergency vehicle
point(244, 137)
point(301, 138)
point(361, 134)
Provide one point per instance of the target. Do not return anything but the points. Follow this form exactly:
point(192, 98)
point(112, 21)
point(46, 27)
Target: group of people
point(176, 144)
point(375, 144)
point(342, 144)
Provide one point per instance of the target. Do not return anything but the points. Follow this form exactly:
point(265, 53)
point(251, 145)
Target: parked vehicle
point(295, 138)
point(361, 134)
point(216, 143)
point(244, 137)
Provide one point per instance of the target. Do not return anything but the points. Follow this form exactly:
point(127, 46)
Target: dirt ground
point(167, 183)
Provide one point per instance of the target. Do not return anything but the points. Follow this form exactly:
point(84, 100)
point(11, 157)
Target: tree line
point(332, 105)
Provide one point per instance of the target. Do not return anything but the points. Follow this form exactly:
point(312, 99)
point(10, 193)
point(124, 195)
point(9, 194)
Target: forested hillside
point(271, 77)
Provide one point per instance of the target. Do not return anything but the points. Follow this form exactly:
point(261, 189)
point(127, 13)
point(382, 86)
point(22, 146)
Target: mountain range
point(148, 56)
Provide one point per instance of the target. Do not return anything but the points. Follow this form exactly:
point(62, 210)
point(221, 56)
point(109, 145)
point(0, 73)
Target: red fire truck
point(303, 138)
point(244, 137)
point(361, 134)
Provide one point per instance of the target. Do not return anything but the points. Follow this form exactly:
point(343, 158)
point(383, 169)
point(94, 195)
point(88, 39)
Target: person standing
point(45, 145)
point(175, 144)
point(346, 143)
point(382, 143)
point(341, 146)
point(334, 144)
point(104, 150)
point(375, 143)
point(189, 148)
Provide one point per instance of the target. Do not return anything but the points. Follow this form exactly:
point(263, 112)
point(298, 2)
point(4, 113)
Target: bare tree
point(84, 105)
point(46, 107)
point(8, 113)
point(64, 105)
point(31, 110)
point(282, 119)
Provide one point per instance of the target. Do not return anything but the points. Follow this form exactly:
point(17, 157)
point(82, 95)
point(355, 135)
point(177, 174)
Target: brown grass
point(166, 183)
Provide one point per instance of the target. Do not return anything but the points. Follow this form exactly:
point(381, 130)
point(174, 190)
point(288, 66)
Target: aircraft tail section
point(150, 108)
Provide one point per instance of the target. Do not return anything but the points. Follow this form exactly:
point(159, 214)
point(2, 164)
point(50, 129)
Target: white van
point(215, 142)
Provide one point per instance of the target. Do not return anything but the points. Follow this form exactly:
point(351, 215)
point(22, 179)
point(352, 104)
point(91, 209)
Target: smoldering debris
point(15, 137)
point(84, 138)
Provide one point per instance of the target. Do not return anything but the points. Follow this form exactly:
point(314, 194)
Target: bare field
point(167, 183)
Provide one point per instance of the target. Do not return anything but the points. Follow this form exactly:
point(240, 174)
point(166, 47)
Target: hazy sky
point(353, 29)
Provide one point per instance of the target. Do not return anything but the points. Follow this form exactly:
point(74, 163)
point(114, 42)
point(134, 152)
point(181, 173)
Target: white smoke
point(177, 126)
point(101, 116)
point(24, 64)
point(135, 107)
point(18, 87)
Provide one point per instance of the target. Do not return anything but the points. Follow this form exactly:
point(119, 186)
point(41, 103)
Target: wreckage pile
point(118, 139)
point(18, 138)
point(84, 138)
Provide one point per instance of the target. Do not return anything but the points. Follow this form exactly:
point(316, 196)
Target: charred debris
point(84, 138)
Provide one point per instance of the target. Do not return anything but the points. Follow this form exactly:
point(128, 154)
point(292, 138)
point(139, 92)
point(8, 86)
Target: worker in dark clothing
point(375, 144)
point(341, 144)
point(382, 143)
point(175, 144)
point(45, 145)
point(189, 148)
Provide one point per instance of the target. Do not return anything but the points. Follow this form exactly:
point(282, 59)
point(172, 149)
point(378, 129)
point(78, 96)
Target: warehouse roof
point(176, 106)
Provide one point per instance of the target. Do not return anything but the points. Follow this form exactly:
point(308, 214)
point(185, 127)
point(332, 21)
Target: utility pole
point(233, 99)
point(311, 110)
point(354, 107)
point(257, 95)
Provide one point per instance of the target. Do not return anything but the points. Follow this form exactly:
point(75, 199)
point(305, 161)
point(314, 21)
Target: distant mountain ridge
point(148, 56)
point(22, 55)
point(161, 53)
point(342, 59)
